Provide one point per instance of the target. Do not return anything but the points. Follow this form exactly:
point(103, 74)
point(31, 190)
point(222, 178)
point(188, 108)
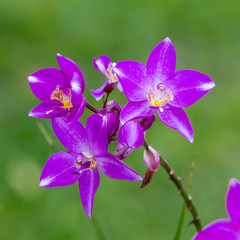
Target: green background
point(206, 36)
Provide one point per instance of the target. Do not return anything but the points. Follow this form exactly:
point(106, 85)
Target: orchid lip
point(84, 157)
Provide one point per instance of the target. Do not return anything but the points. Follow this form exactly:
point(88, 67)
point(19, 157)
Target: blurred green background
point(206, 36)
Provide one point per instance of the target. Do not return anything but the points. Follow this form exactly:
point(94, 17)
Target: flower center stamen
point(59, 95)
point(161, 96)
point(93, 163)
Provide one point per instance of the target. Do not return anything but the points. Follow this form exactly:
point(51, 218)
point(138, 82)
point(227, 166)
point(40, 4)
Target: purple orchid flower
point(130, 137)
point(104, 65)
point(87, 154)
point(60, 90)
point(225, 229)
point(158, 86)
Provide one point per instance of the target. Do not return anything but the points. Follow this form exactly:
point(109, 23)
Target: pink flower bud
point(146, 123)
point(112, 123)
point(112, 110)
point(122, 152)
point(152, 158)
point(113, 105)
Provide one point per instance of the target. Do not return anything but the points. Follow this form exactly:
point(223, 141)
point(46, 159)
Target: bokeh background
point(206, 36)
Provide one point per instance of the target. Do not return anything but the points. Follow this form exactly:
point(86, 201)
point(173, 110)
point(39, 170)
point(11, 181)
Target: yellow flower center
point(93, 163)
point(157, 103)
point(59, 95)
point(85, 157)
point(90, 157)
point(160, 98)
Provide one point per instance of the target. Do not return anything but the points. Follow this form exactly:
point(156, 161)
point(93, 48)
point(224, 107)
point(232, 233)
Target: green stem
point(98, 229)
point(182, 216)
point(45, 134)
point(178, 183)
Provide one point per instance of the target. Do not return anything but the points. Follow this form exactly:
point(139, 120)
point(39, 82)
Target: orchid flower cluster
point(155, 86)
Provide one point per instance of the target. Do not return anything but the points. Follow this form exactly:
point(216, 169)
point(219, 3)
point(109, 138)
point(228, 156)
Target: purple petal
point(131, 135)
point(233, 201)
point(69, 67)
point(188, 86)
point(97, 134)
point(112, 123)
point(134, 79)
point(44, 82)
point(162, 61)
point(176, 118)
point(60, 170)
point(47, 110)
point(77, 112)
point(134, 110)
point(146, 123)
point(122, 152)
point(76, 89)
point(98, 93)
point(119, 86)
point(72, 135)
point(88, 185)
point(112, 167)
point(101, 64)
point(219, 230)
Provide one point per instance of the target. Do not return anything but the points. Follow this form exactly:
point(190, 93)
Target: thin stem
point(105, 101)
point(180, 223)
point(182, 216)
point(98, 229)
point(187, 198)
point(92, 108)
point(47, 136)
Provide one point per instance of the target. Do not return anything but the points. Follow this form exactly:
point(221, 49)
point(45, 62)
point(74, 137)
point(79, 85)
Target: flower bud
point(112, 111)
point(113, 105)
point(152, 158)
point(112, 123)
point(122, 152)
point(146, 123)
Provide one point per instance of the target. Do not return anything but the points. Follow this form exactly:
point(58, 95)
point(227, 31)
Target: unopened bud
point(112, 123)
point(113, 105)
point(152, 158)
point(112, 111)
point(122, 152)
point(146, 123)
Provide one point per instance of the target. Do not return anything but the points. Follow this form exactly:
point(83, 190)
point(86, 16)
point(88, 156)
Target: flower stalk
point(186, 197)
point(92, 108)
